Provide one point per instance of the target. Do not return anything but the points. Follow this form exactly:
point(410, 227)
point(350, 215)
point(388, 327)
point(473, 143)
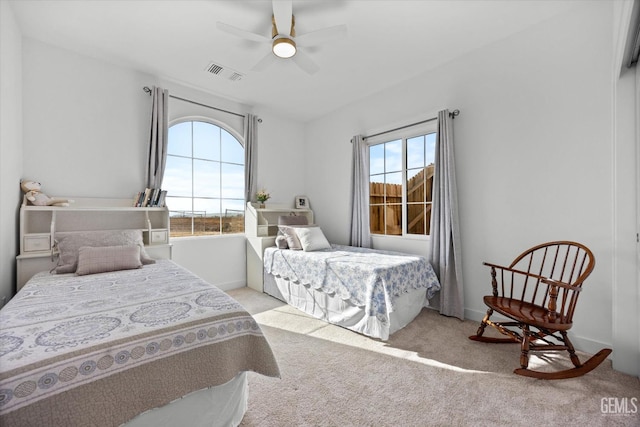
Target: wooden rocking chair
point(538, 292)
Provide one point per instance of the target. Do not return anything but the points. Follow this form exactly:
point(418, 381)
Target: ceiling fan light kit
point(284, 47)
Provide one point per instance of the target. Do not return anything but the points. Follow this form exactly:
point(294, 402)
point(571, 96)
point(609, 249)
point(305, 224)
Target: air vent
point(224, 72)
point(215, 69)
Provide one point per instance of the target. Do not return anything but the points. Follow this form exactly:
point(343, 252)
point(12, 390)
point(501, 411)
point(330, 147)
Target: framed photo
point(302, 202)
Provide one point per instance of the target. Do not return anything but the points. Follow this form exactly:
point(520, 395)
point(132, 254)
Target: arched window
point(204, 179)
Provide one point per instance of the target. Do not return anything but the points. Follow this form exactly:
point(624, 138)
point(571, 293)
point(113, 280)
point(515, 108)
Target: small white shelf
point(263, 222)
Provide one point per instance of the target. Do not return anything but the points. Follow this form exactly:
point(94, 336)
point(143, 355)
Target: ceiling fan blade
point(265, 62)
point(282, 13)
point(247, 35)
point(322, 36)
point(305, 62)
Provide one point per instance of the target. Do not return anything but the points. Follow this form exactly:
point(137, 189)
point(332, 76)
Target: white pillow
point(288, 231)
point(312, 239)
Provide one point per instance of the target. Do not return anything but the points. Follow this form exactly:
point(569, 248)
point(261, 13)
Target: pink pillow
point(101, 259)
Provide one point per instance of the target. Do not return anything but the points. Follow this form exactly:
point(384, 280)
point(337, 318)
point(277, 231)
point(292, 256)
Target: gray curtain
point(157, 153)
point(360, 233)
point(445, 256)
point(250, 156)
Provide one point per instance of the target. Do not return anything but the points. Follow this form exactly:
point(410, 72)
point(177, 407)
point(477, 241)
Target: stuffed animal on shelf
point(36, 197)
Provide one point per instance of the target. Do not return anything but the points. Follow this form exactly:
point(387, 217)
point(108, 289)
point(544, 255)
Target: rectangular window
point(401, 169)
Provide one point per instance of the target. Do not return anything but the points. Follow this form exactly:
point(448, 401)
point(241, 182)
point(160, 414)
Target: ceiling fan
point(284, 42)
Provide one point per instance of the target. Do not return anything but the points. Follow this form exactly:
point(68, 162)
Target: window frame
point(403, 135)
point(239, 138)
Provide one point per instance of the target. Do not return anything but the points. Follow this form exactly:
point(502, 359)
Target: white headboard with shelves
point(38, 225)
point(263, 222)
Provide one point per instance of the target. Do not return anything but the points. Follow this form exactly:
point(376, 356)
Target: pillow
point(281, 242)
point(101, 259)
point(312, 239)
point(290, 237)
point(68, 243)
point(288, 232)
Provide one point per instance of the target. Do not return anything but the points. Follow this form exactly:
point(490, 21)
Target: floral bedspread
point(365, 277)
point(101, 348)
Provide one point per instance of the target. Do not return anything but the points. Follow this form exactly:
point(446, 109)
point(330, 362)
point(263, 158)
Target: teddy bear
point(32, 191)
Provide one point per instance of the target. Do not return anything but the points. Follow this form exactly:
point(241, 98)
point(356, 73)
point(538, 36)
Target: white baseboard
point(231, 285)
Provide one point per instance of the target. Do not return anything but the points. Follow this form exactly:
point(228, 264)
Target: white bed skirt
point(342, 313)
point(221, 406)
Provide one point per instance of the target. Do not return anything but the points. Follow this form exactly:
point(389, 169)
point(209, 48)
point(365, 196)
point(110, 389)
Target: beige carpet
point(427, 374)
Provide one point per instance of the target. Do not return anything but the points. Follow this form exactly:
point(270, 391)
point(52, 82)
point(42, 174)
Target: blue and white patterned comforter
point(365, 277)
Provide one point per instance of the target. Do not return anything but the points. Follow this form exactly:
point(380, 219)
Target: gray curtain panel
point(157, 153)
point(250, 156)
point(360, 233)
point(445, 255)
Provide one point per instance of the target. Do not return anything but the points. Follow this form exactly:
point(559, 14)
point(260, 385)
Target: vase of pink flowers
point(262, 196)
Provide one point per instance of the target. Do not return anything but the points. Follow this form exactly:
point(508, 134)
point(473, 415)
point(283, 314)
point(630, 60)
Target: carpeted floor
point(427, 374)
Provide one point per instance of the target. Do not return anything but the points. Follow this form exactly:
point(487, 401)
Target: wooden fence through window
point(385, 205)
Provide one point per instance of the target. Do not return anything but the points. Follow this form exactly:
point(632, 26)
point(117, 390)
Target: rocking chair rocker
point(538, 292)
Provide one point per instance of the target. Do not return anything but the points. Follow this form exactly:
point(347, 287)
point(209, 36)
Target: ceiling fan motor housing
point(283, 46)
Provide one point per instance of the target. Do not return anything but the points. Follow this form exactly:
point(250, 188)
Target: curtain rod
point(453, 114)
point(146, 89)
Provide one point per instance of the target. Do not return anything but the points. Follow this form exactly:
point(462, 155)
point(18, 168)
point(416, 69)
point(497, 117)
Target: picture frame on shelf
point(302, 202)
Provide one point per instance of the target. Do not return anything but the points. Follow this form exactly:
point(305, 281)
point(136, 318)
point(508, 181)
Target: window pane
point(179, 205)
point(429, 171)
point(232, 150)
point(232, 216)
point(376, 159)
point(416, 181)
point(206, 216)
point(393, 156)
point(393, 187)
point(376, 219)
point(232, 181)
point(206, 178)
point(415, 152)
point(376, 189)
point(179, 139)
point(419, 219)
point(177, 176)
point(393, 219)
point(416, 218)
point(206, 141)
point(430, 142)
point(180, 217)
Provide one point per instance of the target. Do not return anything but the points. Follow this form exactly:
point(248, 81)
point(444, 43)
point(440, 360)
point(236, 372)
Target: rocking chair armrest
point(513, 270)
point(561, 284)
point(496, 290)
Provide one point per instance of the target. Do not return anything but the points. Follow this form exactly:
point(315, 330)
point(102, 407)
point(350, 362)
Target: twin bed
point(120, 345)
point(372, 292)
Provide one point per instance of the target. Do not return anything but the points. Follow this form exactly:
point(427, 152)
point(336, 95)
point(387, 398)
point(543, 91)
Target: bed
point(372, 292)
point(148, 344)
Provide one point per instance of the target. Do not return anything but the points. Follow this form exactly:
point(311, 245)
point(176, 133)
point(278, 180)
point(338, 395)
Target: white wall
point(86, 128)
point(85, 124)
point(10, 145)
point(533, 151)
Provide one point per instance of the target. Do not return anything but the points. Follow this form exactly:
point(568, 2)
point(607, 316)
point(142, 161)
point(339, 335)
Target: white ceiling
point(387, 42)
